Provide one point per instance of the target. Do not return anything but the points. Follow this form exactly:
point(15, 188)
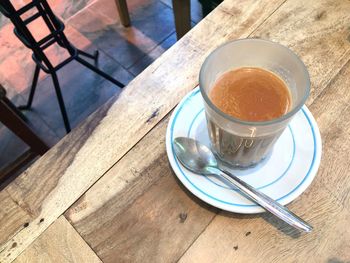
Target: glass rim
point(289, 114)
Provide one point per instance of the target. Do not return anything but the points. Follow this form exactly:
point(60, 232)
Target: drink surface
point(251, 94)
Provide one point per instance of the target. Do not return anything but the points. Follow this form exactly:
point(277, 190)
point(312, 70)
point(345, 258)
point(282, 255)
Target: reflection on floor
point(90, 25)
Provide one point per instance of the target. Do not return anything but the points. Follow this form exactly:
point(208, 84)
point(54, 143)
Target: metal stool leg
point(61, 102)
point(56, 28)
point(99, 72)
point(94, 56)
point(32, 90)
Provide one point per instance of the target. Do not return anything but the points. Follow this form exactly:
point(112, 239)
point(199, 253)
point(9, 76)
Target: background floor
point(90, 25)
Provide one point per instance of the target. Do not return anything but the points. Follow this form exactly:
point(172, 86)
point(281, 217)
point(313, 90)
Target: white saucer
point(289, 170)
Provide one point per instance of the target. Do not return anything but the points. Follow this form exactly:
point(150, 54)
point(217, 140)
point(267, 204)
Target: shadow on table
point(267, 216)
point(192, 196)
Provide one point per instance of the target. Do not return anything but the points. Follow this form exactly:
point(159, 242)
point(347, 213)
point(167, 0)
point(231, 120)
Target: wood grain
point(13, 217)
point(332, 114)
point(129, 232)
point(318, 31)
point(42, 192)
point(138, 210)
point(59, 243)
point(333, 100)
point(238, 238)
point(230, 20)
point(59, 178)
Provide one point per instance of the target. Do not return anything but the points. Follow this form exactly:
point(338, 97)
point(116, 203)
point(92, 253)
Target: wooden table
point(106, 191)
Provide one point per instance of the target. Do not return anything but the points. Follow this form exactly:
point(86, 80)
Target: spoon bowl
point(194, 156)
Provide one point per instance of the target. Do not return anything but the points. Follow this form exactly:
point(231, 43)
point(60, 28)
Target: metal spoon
point(199, 159)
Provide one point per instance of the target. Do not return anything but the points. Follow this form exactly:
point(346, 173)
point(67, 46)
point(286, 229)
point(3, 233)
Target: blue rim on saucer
point(287, 173)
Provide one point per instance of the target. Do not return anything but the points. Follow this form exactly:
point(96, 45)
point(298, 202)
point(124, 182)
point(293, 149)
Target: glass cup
point(242, 144)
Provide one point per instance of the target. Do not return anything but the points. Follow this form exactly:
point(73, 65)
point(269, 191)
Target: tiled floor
point(90, 25)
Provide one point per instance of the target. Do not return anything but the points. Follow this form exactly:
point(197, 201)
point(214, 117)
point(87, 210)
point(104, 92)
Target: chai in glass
point(251, 89)
point(248, 94)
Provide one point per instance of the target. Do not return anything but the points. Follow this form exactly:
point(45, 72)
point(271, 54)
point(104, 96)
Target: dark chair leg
point(123, 12)
point(14, 108)
point(182, 16)
point(99, 72)
point(11, 120)
point(32, 90)
point(61, 102)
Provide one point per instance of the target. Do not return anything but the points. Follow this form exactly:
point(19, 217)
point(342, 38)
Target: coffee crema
point(251, 94)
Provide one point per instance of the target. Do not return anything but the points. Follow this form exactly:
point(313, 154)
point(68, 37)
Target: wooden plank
point(39, 193)
point(60, 177)
point(335, 160)
point(263, 238)
point(333, 100)
point(230, 20)
point(138, 210)
point(332, 112)
point(13, 217)
point(309, 26)
point(59, 243)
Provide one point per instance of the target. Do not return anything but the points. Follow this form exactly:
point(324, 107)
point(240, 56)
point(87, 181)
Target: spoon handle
point(266, 202)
